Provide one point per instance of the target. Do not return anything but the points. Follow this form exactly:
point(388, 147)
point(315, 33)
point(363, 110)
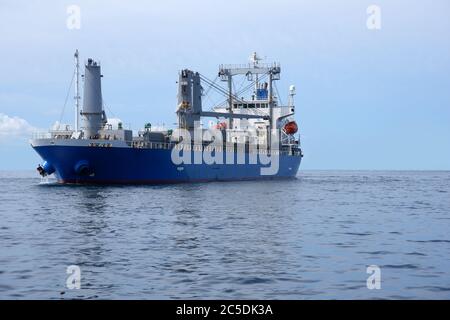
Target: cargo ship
point(250, 138)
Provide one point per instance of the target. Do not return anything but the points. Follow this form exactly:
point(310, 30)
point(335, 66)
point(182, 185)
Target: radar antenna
point(255, 59)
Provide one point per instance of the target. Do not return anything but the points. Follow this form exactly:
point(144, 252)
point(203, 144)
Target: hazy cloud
point(14, 127)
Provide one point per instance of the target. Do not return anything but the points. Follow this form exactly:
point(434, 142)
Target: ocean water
point(309, 238)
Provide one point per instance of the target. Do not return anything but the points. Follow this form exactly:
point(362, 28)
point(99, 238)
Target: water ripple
point(310, 238)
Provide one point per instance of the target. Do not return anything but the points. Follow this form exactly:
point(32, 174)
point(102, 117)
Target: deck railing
point(260, 149)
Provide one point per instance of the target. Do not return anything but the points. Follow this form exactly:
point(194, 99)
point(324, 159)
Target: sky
point(367, 99)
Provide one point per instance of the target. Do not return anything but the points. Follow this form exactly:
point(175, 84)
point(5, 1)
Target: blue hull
point(149, 166)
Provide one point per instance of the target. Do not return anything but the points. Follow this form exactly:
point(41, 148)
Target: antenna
point(77, 91)
point(254, 58)
point(292, 93)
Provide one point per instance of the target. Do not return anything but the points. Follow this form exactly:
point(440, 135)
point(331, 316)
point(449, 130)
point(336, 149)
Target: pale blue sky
point(366, 99)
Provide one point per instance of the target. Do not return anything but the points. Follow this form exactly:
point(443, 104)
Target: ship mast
point(77, 91)
point(254, 58)
point(270, 103)
point(230, 100)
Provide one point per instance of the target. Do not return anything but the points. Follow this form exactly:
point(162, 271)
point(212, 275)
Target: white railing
point(249, 65)
point(41, 135)
point(261, 149)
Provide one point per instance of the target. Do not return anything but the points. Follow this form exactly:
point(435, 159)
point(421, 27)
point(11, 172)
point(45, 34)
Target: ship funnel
point(92, 114)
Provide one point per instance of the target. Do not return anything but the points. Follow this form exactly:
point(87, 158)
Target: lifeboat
point(290, 127)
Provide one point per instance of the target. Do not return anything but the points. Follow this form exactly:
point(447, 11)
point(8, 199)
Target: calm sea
point(309, 238)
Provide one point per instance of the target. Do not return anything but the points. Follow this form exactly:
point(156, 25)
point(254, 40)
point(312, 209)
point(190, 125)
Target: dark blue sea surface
point(309, 238)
